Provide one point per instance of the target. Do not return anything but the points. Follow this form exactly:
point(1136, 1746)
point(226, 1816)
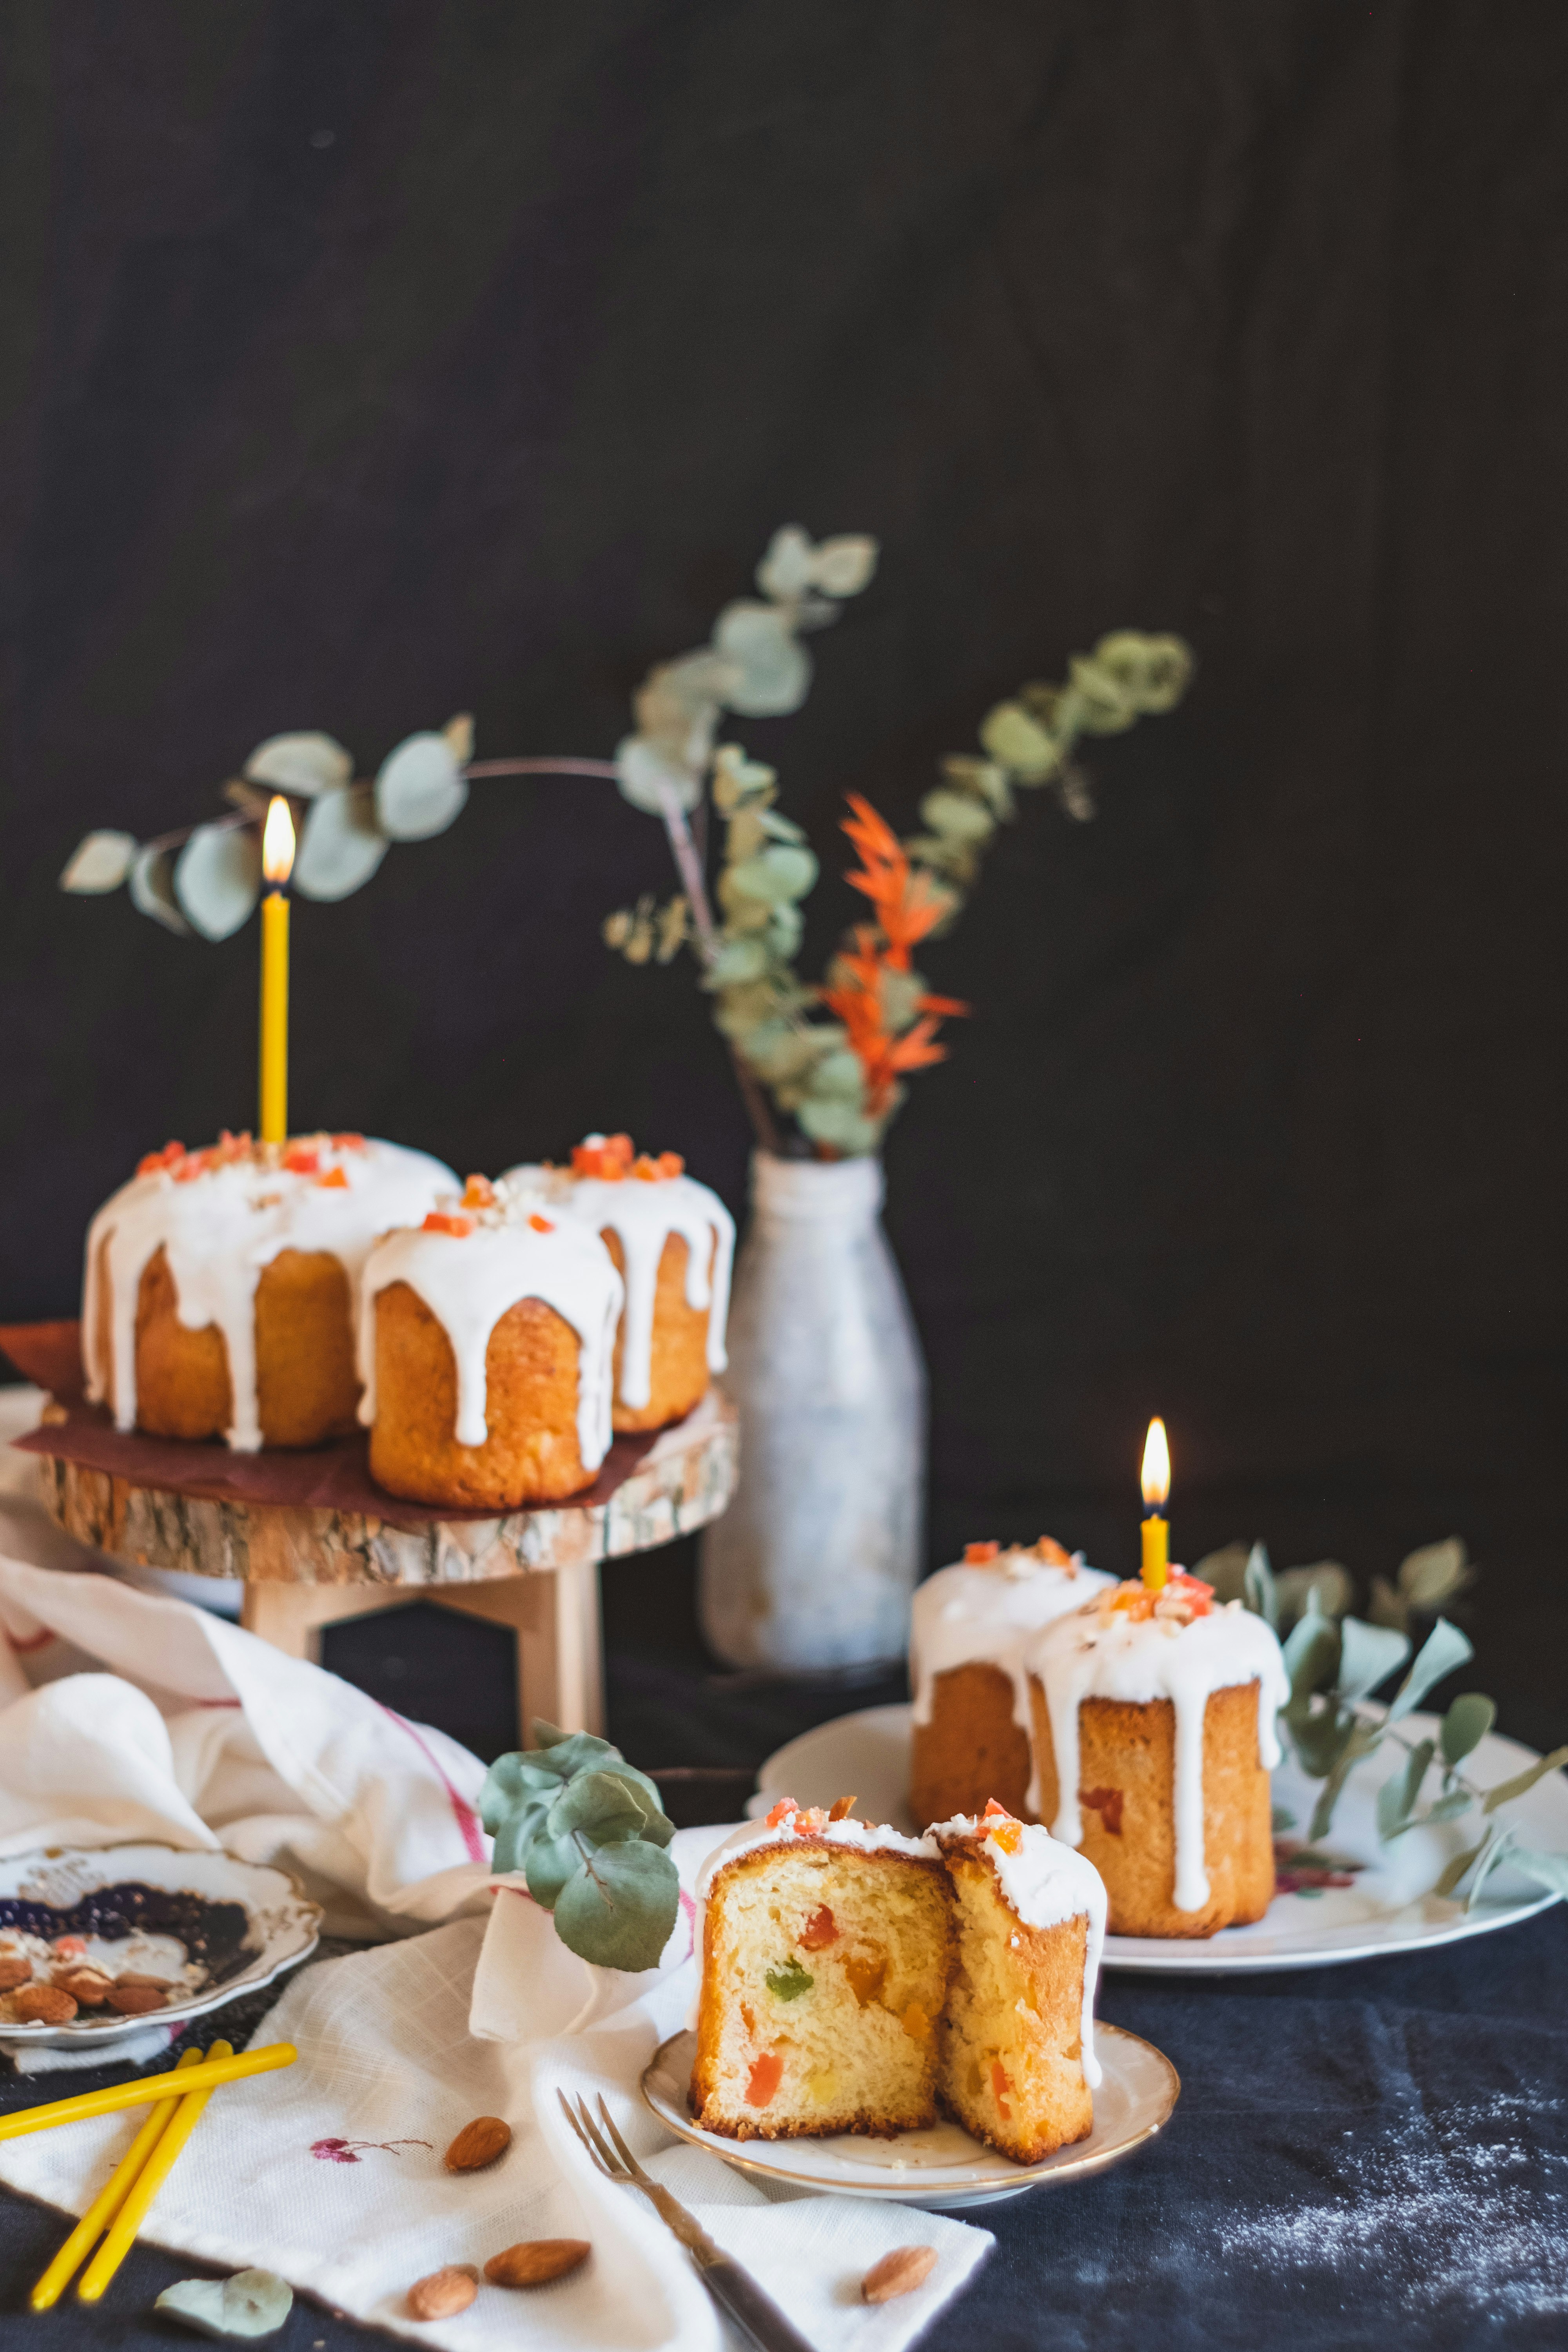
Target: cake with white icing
point(1019, 2068)
point(969, 1627)
point(486, 1341)
point(825, 1947)
point(222, 1285)
point(1154, 1736)
point(672, 1241)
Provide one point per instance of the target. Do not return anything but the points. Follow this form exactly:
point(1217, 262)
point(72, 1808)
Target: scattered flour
point(1459, 2207)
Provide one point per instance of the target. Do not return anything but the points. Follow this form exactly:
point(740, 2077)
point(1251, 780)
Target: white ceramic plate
point(942, 2166)
point(277, 1925)
point(1387, 1907)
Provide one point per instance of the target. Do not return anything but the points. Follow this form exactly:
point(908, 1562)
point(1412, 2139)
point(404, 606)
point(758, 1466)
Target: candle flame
point(1156, 1464)
point(277, 841)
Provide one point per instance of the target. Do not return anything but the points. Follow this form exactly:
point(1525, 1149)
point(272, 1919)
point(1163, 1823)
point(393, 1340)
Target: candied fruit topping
point(333, 1180)
point(608, 1156)
point(812, 1820)
point(302, 1160)
point(540, 1225)
point(781, 1813)
point(842, 1809)
point(479, 1192)
point(64, 1944)
point(866, 1973)
point(1008, 1835)
point(671, 1163)
point(788, 1982)
point(764, 2078)
point(980, 1555)
point(349, 1141)
point(820, 1930)
point(438, 1222)
point(1052, 1555)
point(170, 1157)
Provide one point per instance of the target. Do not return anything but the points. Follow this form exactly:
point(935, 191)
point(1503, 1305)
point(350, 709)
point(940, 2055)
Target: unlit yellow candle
point(107, 2201)
point(121, 2232)
point(146, 2090)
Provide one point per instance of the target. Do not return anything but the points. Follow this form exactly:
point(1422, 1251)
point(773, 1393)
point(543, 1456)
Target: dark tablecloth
point(1369, 2156)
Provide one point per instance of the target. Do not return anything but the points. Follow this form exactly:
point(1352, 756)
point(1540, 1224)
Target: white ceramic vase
point(813, 1564)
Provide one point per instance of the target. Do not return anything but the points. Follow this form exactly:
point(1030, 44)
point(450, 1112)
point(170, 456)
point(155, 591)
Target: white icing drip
point(468, 1281)
point(1047, 1884)
point(643, 1215)
point(219, 1232)
point(1108, 1653)
point(971, 1615)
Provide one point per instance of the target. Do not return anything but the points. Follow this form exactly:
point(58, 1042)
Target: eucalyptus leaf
point(837, 1076)
point(1363, 1738)
point(1226, 1569)
point(1156, 671)
point(1466, 1725)
point(1325, 1584)
point(841, 1125)
point(1397, 1797)
point(1311, 1654)
point(772, 667)
point(596, 1802)
point(1259, 1589)
point(1019, 744)
point(252, 2304)
point(780, 828)
point(550, 1862)
point(1455, 1870)
point(303, 764)
point(734, 960)
point(782, 873)
point(1368, 1656)
point(1497, 1849)
point(1435, 1573)
point(1444, 1649)
point(843, 567)
point(785, 571)
point(1548, 1870)
point(341, 846)
point(1506, 1790)
point(619, 1910)
point(958, 816)
point(647, 776)
point(1387, 1606)
point(784, 928)
point(420, 789)
point(1107, 704)
point(100, 862)
point(217, 878)
point(1319, 1737)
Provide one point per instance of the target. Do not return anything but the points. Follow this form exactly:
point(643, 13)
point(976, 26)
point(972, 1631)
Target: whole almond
point(537, 2261)
point(14, 1973)
point(152, 1984)
point(88, 1987)
point(444, 2294)
point(37, 2004)
point(899, 2273)
point(133, 2000)
point(478, 2144)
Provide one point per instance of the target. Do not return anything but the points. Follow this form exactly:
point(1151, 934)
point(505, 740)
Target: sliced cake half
point(826, 1949)
point(1019, 2068)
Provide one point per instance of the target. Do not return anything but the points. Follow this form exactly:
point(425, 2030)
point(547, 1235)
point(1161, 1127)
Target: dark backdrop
point(362, 364)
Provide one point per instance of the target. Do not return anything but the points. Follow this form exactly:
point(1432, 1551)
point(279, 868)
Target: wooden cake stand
point(314, 1540)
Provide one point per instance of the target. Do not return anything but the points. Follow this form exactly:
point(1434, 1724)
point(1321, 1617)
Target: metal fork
point(732, 2289)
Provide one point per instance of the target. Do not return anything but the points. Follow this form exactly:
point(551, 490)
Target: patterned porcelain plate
point(202, 1925)
point(941, 2166)
point(1379, 1902)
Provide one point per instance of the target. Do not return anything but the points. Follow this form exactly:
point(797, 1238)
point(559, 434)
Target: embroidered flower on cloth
point(341, 2151)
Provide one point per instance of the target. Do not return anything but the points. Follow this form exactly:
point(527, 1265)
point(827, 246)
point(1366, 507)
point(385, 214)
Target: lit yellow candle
point(277, 865)
point(1156, 1487)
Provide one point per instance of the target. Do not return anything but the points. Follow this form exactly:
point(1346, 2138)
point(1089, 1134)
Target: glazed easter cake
point(672, 1242)
point(221, 1285)
point(969, 1625)
point(1019, 2068)
point(856, 1980)
point(1153, 1733)
point(486, 1346)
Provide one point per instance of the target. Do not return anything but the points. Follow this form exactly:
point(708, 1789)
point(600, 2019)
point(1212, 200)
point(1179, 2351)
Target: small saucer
point(941, 2166)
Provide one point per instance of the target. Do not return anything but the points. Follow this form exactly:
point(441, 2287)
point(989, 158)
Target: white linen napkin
point(331, 2173)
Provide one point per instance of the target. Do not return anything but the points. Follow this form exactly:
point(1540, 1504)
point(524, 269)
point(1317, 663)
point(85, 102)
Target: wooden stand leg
point(554, 1615)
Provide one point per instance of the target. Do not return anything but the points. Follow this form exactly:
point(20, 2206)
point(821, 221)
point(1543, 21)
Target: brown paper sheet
point(334, 1477)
